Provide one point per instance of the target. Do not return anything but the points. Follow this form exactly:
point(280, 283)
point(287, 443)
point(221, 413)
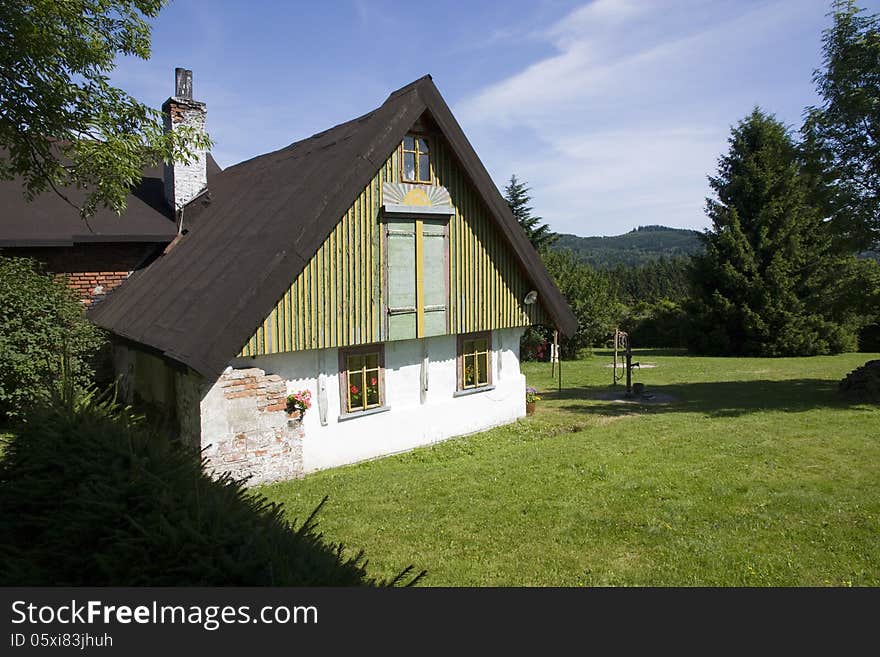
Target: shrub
point(536, 343)
point(660, 324)
point(590, 297)
point(89, 497)
point(40, 321)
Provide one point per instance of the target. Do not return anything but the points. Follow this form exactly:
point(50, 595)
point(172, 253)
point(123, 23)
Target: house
point(374, 265)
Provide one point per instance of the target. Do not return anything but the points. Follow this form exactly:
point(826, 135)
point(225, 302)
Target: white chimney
point(183, 182)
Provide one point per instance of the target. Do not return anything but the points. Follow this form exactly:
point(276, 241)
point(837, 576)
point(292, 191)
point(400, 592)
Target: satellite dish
point(531, 297)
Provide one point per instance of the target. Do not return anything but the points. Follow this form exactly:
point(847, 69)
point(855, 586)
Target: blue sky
point(614, 111)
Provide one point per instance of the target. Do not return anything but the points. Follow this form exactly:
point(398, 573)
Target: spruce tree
point(516, 193)
point(768, 282)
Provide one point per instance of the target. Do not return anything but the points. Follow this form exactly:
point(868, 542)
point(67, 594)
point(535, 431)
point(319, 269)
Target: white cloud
point(623, 122)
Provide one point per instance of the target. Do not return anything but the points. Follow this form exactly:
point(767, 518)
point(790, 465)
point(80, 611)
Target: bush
point(536, 344)
point(661, 324)
point(40, 322)
point(591, 298)
point(88, 497)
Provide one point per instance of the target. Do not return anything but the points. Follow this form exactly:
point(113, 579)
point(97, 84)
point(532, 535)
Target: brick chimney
point(183, 182)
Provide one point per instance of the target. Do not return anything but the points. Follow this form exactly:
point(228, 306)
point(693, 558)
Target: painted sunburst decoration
point(410, 198)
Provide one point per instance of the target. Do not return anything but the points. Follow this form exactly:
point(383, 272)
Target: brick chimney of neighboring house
point(183, 182)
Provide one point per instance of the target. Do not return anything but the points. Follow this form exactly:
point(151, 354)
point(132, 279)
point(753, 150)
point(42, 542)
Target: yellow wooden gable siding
point(338, 301)
point(487, 286)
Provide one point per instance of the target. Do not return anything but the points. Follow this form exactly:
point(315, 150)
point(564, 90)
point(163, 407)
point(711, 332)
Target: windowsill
point(372, 411)
point(472, 391)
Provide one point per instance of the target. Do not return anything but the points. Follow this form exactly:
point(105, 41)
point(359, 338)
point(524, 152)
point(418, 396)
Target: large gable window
point(362, 378)
point(416, 160)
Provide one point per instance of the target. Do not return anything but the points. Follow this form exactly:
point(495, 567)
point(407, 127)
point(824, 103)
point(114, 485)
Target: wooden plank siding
point(339, 298)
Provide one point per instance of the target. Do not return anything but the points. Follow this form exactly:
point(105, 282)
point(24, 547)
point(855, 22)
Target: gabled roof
point(202, 300)
point(49, 221)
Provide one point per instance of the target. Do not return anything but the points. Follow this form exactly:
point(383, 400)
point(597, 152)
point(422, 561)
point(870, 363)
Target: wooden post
point(628, 369)
point(554, 353)
point(616, 342)
point(559, 370)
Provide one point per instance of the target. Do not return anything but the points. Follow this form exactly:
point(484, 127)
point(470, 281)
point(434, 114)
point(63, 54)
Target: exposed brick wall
point(246, 430)
point(91, 270)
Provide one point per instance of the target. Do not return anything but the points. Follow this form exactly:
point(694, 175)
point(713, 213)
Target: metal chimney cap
point(183, 83)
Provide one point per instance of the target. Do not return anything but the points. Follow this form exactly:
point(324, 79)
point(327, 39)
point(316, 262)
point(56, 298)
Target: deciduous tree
point(62, 124)
point(590, 296)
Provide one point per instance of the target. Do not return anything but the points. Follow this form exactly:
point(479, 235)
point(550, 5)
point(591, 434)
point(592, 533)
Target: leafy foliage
point(842, 135)
point(590, 296)
point(40, 321)
point(61, 122)
point(536, 344)
point(862, 291)
point(516, 193)
point(663, 279)
point(89, 497)
point(769, 283)
point(663, 323)
point(638, 247)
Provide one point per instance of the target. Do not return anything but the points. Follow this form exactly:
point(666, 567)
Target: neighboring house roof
point(49, 220)
point(202, 300)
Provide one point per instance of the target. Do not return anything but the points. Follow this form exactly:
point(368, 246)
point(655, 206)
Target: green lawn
point(759, 475)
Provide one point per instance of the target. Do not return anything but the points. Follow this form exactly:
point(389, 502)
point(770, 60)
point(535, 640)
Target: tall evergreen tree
point(842, 135)
point(769, 278)
point(516, 193)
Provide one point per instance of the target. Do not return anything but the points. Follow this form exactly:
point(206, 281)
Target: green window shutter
point(401, 245)
point(434, 284)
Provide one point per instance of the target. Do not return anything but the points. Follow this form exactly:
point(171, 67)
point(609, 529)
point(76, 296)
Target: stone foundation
point(246, 430)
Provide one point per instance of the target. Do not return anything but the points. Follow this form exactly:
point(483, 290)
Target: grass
point(758, 475)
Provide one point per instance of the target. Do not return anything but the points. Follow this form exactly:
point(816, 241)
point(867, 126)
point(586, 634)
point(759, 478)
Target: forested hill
point(638, 247)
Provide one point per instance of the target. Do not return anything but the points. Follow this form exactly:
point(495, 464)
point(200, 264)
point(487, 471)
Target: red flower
point(354, 390)
point(374, 381)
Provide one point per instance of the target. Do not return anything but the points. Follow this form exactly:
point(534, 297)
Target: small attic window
point(416, 160)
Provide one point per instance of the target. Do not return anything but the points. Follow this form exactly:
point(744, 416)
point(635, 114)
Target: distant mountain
point(637, 247)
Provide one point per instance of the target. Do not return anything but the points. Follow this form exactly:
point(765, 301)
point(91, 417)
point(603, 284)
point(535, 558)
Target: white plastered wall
point(409, 422)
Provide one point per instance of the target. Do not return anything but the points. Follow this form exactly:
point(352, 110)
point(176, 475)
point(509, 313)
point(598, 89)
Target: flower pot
point(530, 408)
